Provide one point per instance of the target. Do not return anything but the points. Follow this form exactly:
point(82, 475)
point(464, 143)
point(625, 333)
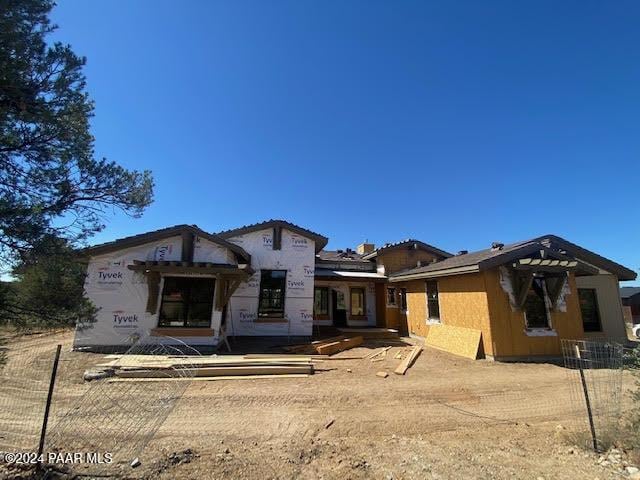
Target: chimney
point(365, 248)
point(497, 246)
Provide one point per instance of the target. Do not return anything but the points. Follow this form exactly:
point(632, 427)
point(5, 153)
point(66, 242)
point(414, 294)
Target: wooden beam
point(216, 371)
point(153, 285)
point(335, 347)
point(187, 246)
point(522, 284)
point(543, 268)
point(277, 237)
point(555, 285)
point(408, 361)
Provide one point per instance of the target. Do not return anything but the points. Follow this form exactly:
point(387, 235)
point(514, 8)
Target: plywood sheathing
point(463, 302)
point(457, 340)
point(509, 336)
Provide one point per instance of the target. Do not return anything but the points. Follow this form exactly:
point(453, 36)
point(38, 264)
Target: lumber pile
point(230, 366)
point(327, 346)
point(408, 361)
point(372, 333)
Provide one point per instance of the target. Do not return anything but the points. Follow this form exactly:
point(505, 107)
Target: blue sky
point(456, 123)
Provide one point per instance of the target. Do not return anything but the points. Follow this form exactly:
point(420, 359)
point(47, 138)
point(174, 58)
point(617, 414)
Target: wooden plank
point(310, 348)
point(406, 363)
point(379, 352)
point(371, 332)
point(207, 379)
point(457, 340)
point(284, 356)
point(336, 347)
point(216, 371)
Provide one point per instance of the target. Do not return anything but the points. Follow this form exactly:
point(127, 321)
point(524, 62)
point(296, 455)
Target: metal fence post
point(52, 382)
point(586, 399)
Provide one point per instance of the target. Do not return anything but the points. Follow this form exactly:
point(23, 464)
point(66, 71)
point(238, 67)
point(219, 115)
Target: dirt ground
point(447, 418)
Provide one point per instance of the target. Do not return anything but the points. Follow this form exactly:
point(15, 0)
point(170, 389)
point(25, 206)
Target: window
point(357, 302)
point(391, 296)
point(186, 302)
point(403, 299)
point(589, 308)
point(321, 301)
point(272, 291)
point(433, 304)
point(536, 310)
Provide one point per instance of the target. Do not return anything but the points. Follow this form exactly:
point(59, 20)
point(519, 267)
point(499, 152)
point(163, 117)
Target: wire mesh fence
point(116, 417)
point(595, 373)
point(25, 374)
point(119, 416)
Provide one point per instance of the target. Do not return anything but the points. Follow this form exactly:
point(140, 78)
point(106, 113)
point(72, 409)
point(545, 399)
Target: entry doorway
point(338, 309)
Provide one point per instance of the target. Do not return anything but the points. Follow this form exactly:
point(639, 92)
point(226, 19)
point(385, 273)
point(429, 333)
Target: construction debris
point(209, 379)
point(329, 423)
point(327, 346)
point(379, 352)
point(311, 348)
point(339, 346)
point(372, 333)
point(382, 374)
point(167, 367)
point(408, 361)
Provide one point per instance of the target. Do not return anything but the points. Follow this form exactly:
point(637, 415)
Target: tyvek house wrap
point(297, 257)
point(121, 294)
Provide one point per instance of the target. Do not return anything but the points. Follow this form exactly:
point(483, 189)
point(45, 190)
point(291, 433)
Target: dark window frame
point(326, 300)
point(364, 301)
point(537, 293)
point(186, 301)
point(271, 284)
point(391, 297)
point(433, 301)
point(596, 309)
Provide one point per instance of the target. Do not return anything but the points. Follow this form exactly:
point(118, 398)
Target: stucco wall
point(609, 304)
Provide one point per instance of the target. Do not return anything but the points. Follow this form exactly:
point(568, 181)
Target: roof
point(348, 275)
point(348, 256)
point(142, 238)
point(628, 292)
point(320, 240)
point(492, 257)
point(623, 273)
point(408, 241)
